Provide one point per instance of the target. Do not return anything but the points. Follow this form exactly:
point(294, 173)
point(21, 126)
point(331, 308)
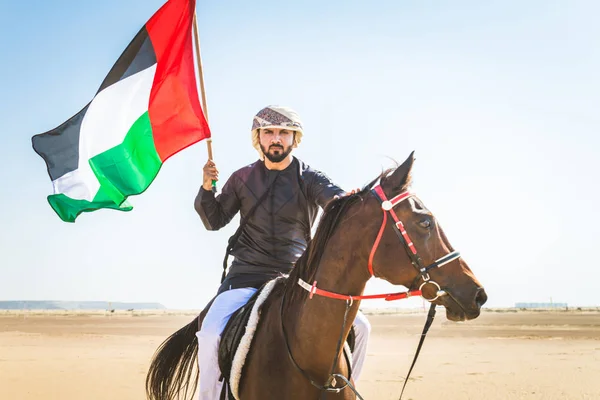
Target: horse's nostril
point(481, 297)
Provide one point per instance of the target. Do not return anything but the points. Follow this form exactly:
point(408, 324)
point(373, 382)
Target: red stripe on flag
point(175, 113)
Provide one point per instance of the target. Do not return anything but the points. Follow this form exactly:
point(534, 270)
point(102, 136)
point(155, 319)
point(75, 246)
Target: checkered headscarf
point(277, 117)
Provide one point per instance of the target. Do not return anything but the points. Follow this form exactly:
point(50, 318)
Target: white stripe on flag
point(105, 125)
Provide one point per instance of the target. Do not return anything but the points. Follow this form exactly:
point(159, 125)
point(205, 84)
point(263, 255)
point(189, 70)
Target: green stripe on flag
point(68, 209)
point(125, 170)
point(129, 168)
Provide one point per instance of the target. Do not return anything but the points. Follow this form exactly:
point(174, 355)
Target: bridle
point(387, 206)
point(423, 272)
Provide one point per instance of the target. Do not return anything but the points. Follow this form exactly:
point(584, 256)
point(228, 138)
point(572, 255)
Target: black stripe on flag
point(60, 147)
point(138, 56)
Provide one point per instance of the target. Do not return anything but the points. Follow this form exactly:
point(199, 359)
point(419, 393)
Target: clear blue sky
point(498, 99)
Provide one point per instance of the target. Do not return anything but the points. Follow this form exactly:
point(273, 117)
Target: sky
point(499, 100)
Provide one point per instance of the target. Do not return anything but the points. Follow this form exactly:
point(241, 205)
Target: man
point(275, 234)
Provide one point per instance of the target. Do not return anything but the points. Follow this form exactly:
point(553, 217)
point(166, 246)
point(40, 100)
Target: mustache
point(276, 146)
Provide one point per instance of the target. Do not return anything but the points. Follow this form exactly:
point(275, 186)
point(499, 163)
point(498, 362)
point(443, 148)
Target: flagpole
point(203, 92)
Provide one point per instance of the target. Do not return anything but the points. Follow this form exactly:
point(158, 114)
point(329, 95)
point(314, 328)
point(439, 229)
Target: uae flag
point(146, 110)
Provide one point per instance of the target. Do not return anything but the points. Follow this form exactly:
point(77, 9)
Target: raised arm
point(216, 212)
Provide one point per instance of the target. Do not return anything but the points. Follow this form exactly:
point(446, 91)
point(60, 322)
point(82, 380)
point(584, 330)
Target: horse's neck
point(316, 324)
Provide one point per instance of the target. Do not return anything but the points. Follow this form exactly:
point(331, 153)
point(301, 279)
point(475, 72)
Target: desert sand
point(499, 356)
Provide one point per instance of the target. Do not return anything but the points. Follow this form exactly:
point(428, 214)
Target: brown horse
point(298, 338)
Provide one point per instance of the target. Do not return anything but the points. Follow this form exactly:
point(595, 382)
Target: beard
point(276, 153)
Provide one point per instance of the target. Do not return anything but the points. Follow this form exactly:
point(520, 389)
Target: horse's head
point(412, 249)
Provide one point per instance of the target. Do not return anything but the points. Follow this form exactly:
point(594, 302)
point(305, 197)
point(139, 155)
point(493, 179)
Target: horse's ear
point(400, 179)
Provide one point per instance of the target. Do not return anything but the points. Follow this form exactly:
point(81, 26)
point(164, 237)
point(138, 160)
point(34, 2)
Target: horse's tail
point(173, 365)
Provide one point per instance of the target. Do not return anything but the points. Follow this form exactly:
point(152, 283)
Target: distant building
point(541, 305)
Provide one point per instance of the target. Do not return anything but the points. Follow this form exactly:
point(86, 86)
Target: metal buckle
point(439, 292)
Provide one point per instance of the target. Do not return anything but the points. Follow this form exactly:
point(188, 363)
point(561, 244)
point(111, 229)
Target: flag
point(146, 109)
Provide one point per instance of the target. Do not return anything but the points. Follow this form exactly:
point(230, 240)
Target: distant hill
point(76, 305)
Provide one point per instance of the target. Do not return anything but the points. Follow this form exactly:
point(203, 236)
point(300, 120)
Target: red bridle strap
point(376, 244)
point(313, 289)
point(388, 206)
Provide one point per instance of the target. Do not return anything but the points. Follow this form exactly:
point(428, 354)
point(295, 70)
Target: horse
point(382, 231)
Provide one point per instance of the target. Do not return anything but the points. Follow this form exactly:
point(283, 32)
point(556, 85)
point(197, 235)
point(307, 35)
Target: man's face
point(275, 143)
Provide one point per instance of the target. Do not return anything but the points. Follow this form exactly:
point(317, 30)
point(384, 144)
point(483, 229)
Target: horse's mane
point(307, 264)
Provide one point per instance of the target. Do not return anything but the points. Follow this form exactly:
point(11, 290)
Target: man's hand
point(350, 193)
point(210, 173)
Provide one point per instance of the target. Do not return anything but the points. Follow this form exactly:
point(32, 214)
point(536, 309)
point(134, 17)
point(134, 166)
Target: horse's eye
point(426, 223)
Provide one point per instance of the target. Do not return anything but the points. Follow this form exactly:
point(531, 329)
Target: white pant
point(214, 322)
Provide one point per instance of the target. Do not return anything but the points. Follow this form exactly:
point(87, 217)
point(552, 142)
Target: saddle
point(236, 331)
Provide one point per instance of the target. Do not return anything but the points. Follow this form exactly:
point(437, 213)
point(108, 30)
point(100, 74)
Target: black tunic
point(275, 235)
